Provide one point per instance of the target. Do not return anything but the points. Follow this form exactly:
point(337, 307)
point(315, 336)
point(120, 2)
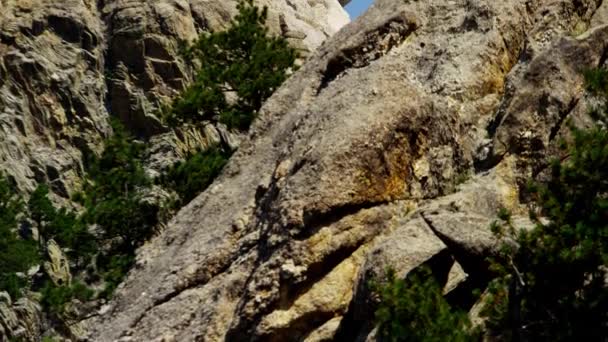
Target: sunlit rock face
point(394, 145)
point(66, 66)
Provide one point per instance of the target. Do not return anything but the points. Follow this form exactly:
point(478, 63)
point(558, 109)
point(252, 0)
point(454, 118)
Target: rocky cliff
point(67, 66)
point(394, 145)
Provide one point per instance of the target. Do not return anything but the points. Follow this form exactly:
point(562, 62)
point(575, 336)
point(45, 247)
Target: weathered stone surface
point(51, 90)
point(65, 66)
point(326, 332)
point(58, 266)
point(354, 165)
point(20, 320)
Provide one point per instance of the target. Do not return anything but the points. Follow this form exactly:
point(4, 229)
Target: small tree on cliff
point(238, 70)
point(553, 286)
point(16, 254)
point(414, 310)
point(195, 174)
point(243, 62)
point(63, 226)
point(113, 197)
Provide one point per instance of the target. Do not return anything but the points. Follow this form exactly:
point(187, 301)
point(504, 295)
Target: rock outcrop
point(66, 66)
point(394, 145)
point(58, 266)
point(20, 320)
point(52, 90)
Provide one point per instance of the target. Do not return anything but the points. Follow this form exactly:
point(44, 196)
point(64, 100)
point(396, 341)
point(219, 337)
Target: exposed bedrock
point(394, 145)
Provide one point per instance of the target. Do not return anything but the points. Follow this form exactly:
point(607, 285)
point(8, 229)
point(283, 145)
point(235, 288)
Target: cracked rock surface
point(66, 66)
point(394, 145)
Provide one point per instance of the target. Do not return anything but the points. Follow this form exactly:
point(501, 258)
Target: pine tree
point(113, 197)
point(62, 225)
point(553, 285)
point(195, 174)
point(414, 310)
point(16, 254)
point(244, 61)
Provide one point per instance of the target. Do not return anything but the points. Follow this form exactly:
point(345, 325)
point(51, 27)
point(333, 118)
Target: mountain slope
point(394, 145)
point(67, 67)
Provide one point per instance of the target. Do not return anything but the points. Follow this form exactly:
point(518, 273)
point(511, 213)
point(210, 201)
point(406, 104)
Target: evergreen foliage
point(597, 81)
point(113, 200)
point(552, 286)
point(415, 310)
point(63, 226)
point(195, 174)
point(243, 61)
point(113, 197)
point(17, 255)
point(55, 298)
point(238, 70)
point(114, 267)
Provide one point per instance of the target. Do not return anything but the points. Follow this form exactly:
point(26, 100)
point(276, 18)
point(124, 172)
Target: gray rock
point(19, 320)
point(66, 65)
point(354, 165)
point(52, 92)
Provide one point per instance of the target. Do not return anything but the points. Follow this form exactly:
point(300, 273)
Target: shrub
point(415, 310)
point(244, 61)
point(597, 81)
point(114, 201)
point(55, 298)
point(114, 267)
point(62, 225)
point(195, 174)
point(16, 254)
point(113, 197)
point(552, 287)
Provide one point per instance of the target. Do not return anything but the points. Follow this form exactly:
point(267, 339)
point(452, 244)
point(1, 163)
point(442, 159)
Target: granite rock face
point(21, 319)
point(394, 145)
point(52, 90)
point(66, 66)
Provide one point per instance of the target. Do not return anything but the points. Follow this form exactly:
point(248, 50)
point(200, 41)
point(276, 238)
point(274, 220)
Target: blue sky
point(357, 7)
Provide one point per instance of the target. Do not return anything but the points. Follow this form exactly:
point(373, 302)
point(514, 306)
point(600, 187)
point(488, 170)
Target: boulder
point(58, 266)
